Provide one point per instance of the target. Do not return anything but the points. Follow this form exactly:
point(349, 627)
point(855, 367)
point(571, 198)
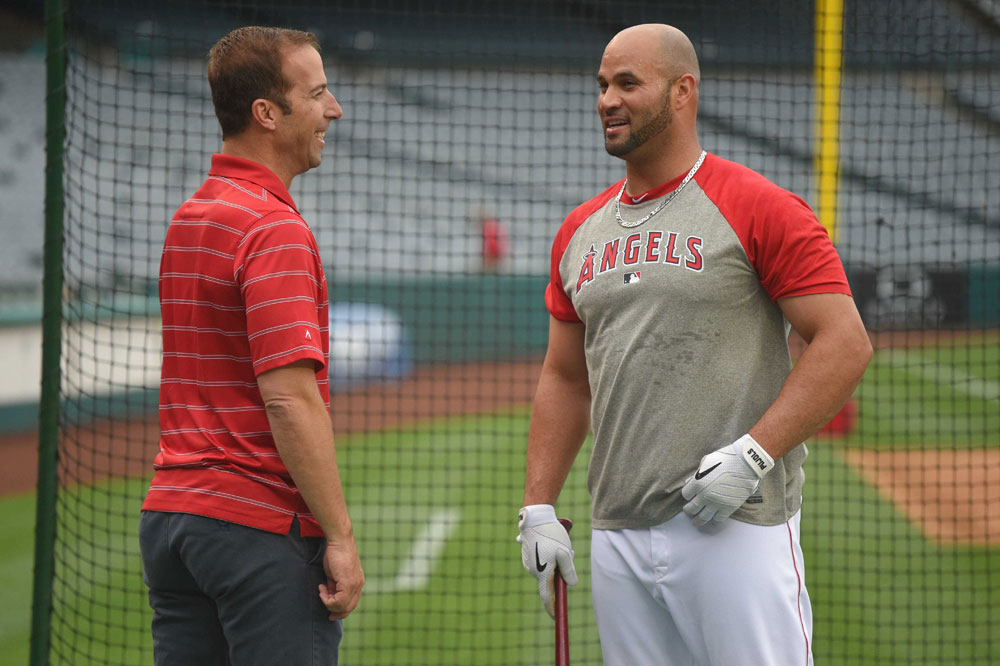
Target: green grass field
point(434, 506)
point(931, 398)
point(17, 520)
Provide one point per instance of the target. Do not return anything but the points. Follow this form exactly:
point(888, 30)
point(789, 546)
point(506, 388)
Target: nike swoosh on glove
point(545, 546)
point(725, 480)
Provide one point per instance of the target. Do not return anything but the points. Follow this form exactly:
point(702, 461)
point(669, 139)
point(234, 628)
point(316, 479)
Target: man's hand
point(344, 579)
point(545, 545)
point(725, 480)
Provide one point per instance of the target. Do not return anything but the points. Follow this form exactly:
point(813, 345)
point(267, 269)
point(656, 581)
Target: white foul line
point(415, 572)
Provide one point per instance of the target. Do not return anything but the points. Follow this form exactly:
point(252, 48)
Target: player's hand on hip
point(545, 546)
point(344, 578)
point(725, 480)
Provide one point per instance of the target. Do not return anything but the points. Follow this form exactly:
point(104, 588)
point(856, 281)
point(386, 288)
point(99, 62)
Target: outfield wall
point(447, 320)
point(460, 319)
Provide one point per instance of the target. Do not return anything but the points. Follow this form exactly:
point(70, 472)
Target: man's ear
point(685, 90)
point(265, 113)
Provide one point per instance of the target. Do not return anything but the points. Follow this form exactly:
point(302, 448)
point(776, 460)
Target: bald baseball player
point(671, 296)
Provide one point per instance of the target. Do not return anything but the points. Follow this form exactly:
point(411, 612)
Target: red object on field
point(495, 245)
point(844, 421)
point(562, 623)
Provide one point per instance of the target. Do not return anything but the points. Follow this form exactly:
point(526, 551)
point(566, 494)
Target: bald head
point(648, 102)
point(668, 48)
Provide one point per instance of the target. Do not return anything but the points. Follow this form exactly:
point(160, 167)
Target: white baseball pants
point(731, 594)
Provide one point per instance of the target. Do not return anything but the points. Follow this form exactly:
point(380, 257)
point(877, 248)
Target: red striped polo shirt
point(242, 291)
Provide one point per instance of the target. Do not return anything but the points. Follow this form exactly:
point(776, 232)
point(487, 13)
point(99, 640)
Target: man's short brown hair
point(246, 65)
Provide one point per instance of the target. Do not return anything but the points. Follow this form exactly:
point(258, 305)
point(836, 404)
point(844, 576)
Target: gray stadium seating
point(420, 148)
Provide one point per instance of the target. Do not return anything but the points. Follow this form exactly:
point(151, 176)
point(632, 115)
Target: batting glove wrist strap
point(756, 457)
point(545, 547)
point(535, 514)
point(725, 479)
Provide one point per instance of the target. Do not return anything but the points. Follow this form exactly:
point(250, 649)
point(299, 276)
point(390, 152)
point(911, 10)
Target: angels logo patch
point(653, 247)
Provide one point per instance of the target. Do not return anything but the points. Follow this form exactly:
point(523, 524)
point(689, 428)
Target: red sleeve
point(792, 252)
point(558, 303)
point(556, 300)
point(785, 243)
point(280, 275)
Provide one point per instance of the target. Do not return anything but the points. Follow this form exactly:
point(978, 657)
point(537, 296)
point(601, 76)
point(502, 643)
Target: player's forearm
point(304, 439)
point(822, 380)
point(560, 421)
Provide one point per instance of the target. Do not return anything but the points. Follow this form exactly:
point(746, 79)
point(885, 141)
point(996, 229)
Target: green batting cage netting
point(469, 132)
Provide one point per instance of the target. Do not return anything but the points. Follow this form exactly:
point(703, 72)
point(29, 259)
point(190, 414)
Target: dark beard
point(643, 134)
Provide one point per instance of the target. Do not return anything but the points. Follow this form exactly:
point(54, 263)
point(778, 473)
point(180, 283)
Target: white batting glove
point(725, 480)
point(545, 545)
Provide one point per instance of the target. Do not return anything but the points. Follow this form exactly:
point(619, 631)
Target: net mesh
point(469, 132)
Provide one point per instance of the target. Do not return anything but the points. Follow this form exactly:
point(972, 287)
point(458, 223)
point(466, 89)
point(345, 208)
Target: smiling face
point(634, 100)
point(301, 132)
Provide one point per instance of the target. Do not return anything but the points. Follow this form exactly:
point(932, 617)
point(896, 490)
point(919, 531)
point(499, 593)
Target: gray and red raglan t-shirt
point(685, 344)
point(242, 291)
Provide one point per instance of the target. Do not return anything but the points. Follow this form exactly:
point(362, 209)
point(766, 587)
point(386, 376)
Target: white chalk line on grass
point(425, 550)
point(945, 375)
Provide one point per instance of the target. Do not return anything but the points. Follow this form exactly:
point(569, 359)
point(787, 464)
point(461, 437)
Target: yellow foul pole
point(828, 63)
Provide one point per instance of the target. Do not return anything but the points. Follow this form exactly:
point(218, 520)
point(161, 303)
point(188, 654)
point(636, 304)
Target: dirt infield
point(115, 448)
point(952, 496)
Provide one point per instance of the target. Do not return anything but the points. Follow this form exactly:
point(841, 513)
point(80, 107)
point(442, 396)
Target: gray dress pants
point(232, 595)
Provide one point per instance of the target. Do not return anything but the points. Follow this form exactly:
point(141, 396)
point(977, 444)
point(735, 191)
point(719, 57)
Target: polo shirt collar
point(227, 166)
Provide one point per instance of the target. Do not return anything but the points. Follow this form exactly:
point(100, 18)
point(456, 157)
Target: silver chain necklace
point(667, 199)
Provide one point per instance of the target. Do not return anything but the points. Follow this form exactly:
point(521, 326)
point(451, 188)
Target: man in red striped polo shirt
point(247, 545)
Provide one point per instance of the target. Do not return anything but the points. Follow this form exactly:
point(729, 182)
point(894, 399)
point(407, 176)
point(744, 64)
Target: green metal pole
point(52, 285)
